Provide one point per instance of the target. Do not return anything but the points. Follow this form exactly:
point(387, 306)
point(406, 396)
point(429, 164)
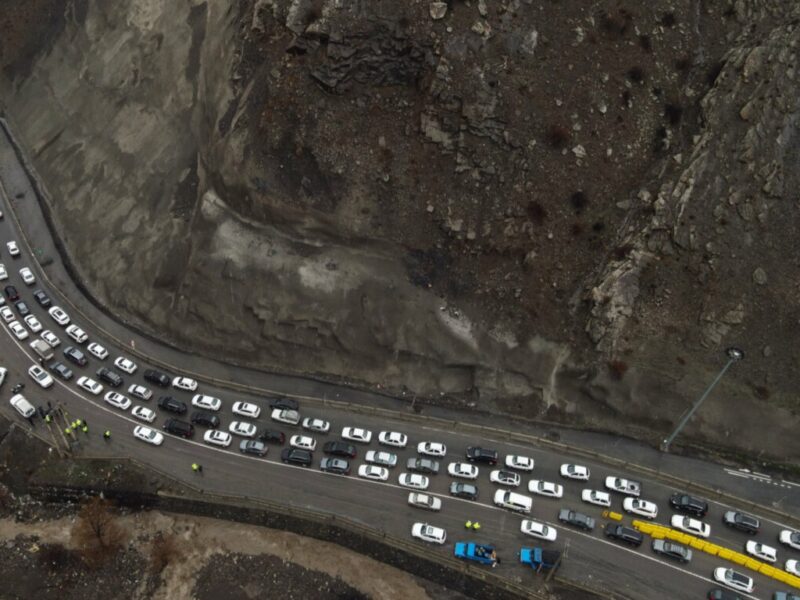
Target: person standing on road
point(476, 526)
point(106, 435)
point(85, 429)
point(468, 524)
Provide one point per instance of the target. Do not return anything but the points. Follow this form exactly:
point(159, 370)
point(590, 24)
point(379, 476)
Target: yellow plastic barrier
point(614, 516)
point(698, 544)
point(657, 535)
point(753, 564)
point(739, 559)
point(767, 570)
point(725, 554)
point(712, 549)
point(793, 580)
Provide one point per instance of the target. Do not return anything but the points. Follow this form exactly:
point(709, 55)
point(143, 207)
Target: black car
point(720, 594)
point(76, 356)
point(170, 404)
point(11, 293)
point(272, 436)
point(688, 504)
point(422, 465)
point(481, 455)
point(623, 534)
point(179, 428)
point(335, 465)
point(109, 376)
point(157, 377)
point(205, 419)
point(284, 404)
point(741, 521)
point(464, 490)
point(254, 447)
point(672, 550)
point(339, 449)
point(784, 596)
point(61, 370)
point(576, 519)
point(22, 308)
point(42, 298)
point(297, 456)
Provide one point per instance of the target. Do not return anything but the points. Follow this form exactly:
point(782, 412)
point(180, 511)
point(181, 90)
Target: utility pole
point(734, 355)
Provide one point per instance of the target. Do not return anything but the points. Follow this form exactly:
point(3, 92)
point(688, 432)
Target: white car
point(378, 457)
point(242, 428)
point(184, 383)
point(50, 337)
point(97, 350)
point(143, 413)
point(690, 525)
point(546, 488)
point(246, 409)
point(426, 501)
point(393, 438)
point(578, 472)
point(139, 391)
point(414, 480)
point(373, 472)
point(431, 449)
point(117, 400)
point(790, 538)
point(462, 470)
point(316, 425)
point(126, 365)
point(215, 437)
point(538, 530)
point(762, 551)
point(301, 441)
point(22, 406)
point(59, 316)
point(503, 477)
point(76, 333)
point(7, 314)
point(520, 463)
point(3, 373)
point(151, 436)
point(33, 323)
point(206, 402)
point(596, 497)
point(643, 508)
point(283, 415)
point(428, 533)
point(3, 272)
point(90, 385)
point(18, 330)
point(623, 486)
point(734, 580)
point(13, 249)
point(356, 434)
point(792, 566)
point(27, 276)
point(40, 376)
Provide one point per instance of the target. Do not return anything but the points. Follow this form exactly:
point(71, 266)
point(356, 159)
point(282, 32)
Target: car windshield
point(738, 578)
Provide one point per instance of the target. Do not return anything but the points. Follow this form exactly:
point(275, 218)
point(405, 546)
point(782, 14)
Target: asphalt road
point(590, 559)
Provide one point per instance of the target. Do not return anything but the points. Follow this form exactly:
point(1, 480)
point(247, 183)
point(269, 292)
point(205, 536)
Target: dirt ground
point(213, 559)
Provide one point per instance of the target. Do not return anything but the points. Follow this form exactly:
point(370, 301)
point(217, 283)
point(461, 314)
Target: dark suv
point(170, 404)
point(720, 594)
point(623, 534)
point(205, 419)
point(340, 449)
point(463, 490)
point(11, 293)
point(109, 377)
point(422, 465)
point(688, 504)
point(284, 404)
point(576, 519)
point(335, 465)
point(157, 377)
point(42, 298)
point(61, 370)
point(22, 308)
point(179, 428)
point(272, 436)
point(76, 356)
point(297, 456)
point(481, 455)
point(742, 522)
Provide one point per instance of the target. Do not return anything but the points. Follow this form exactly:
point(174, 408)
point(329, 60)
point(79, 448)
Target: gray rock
point(528, 45)
point(760, 276)
point(438, 10)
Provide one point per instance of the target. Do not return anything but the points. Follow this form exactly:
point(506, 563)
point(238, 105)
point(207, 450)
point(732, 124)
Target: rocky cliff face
point(545, 209)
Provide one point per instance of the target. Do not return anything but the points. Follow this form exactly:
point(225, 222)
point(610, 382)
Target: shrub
point(636, 74)
point(673, 113)
point(96, 534)
point(54, 556)
point(617, 369)
point(163, 551)
point(668, 19)
point(536, 212)
point(558, 136)
point(579, 201)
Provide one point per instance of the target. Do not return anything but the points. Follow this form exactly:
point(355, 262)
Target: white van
point(513, 501)
point(42, 349)
point(23, 407)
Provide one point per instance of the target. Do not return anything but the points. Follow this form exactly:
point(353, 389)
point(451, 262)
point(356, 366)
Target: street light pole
point(734, 355)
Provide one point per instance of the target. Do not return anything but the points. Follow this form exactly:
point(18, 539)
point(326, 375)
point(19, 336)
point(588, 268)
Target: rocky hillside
point(551, 209)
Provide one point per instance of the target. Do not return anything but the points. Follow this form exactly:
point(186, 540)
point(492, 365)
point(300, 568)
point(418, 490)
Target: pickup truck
point(539, 559)
point(480, 553)
point(576, 519)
